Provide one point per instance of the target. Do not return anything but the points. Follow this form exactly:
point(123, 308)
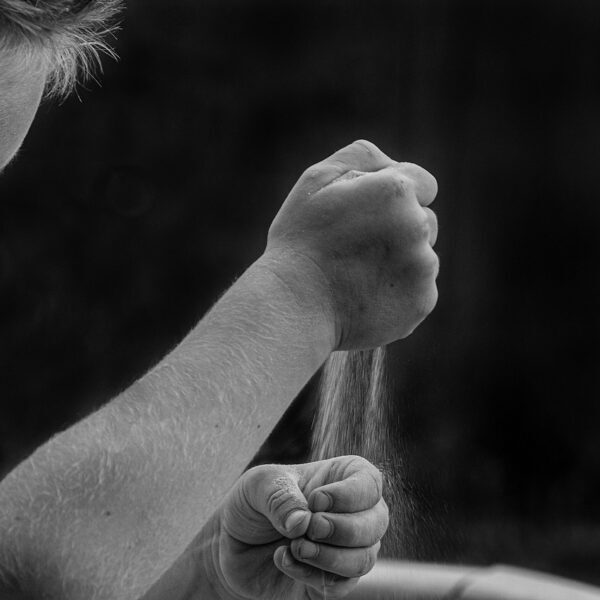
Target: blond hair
point(64, 37)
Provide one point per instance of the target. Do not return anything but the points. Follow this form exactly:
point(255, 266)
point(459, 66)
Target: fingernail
point(294, 520)
point(308, 550)
point(288, 559)
point(322, 502)
point(322, 528)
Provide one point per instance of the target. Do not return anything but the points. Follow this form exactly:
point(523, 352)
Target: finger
point(388, 185)
point(325, 585)
point(361, 155)
point(358, 156)
point(394, 184)
point(424, 183)
point(432, 225)
point(426, 186)
point(272, 490)
point(347, 562)
point(354, 530)
point(358, 488)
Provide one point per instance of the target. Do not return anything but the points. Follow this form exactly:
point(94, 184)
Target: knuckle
point(352, 464)
point(432, 225)
point(323, 528)
point(253, 483)
point(383, 520)
point(420, 227)
point(302, 570)
point(256, 476)
point(428, 302)
point(357, 461)
point(281, 502)
point(369, 558)
point(272, 488)
point(351, 174)
point(276, 499)
point(373, 537)
point(399, 184)
point(422, 175)
point(354, 535)
point(420, 273)
point(337, 562)
point(252, 479)
point(423, 265)
point(430, 263)
point(366, 146)
point(338, 586)
point(315, 172)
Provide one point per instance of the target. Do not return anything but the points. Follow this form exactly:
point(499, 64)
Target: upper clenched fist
point(357, 230)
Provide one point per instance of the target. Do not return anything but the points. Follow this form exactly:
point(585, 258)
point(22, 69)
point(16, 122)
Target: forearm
point(104, 508)
point(193, 576)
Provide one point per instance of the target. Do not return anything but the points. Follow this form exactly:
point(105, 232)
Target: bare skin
point(358, 225)
point(300, 531)
point(106, 508)
point(22, 87)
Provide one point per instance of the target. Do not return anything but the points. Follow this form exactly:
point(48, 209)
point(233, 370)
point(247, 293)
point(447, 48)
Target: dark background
point(133, 207)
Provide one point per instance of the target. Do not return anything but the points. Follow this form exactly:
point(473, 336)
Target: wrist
point(308, 290)
point(207, 557)
point(213, 584)
point(195, 573)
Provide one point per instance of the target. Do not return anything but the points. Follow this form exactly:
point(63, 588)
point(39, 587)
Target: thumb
point(273, 491)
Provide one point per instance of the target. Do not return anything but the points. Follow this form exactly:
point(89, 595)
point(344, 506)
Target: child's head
point(45, 45)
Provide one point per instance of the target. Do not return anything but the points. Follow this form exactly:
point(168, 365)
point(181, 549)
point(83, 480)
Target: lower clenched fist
point(356, 229)
point(298, 531)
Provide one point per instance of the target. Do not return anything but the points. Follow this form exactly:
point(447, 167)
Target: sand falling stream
point(355, 416)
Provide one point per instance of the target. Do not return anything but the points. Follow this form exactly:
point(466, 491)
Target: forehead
point(21, 88)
